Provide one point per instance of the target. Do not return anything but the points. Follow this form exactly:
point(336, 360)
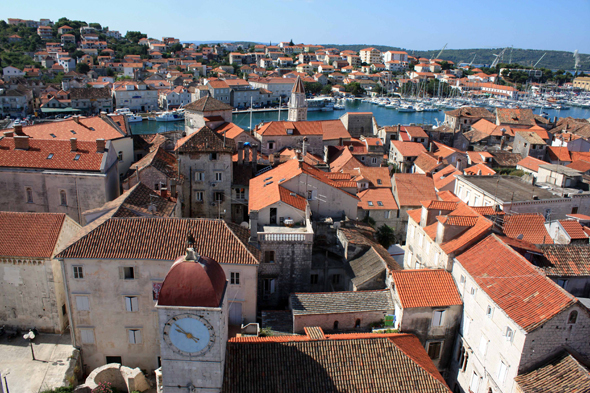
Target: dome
point(193, 283)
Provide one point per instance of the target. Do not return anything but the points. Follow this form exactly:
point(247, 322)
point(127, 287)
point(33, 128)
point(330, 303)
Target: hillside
point(553, 59)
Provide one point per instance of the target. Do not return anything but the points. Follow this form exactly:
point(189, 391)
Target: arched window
point(573, 317)
point(335, 325)
point(63, 199)
point(357, 324)
point(29, 191)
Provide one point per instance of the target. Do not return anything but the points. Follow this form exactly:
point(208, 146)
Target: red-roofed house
point(530, 165)
point(408, 190)
point(379, 204)
point(29, 244)
point(513, 316)
point(57, 176)
point(276, 135)
point(428, 305)
point(567, 232)
point(403, 154)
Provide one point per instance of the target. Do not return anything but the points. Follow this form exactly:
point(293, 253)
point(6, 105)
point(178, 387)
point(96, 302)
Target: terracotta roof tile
point(567, 259)
point(413, 188)
point(425, 288)
point(204, 140)
point(531, 163)
point(298, 127)
point(379, 198)
point(445, 176)
point(408, 149)
point(531, 226)
point(526, 296)
point(32, 235)
point(88, 129)
point(557, 153)
point(479, 169)
point(573, 229)
point(581, 165)
point(515, 116)
point(159, 239)
point(300, 363)
point(208, 104)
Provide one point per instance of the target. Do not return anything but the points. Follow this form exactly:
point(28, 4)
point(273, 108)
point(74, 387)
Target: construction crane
point(470, 64)
point(497, 59)
point(538, 61)
point(440, 53)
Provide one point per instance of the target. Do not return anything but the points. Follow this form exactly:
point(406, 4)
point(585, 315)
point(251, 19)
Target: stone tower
point(297, 103)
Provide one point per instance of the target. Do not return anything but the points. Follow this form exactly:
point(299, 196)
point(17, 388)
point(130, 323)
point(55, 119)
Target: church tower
point(297, 103)
point(193, 318)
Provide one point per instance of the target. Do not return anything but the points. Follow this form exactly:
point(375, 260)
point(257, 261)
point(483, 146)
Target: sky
point(418, 25)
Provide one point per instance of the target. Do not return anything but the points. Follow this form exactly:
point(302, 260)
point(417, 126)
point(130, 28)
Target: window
point(434, 349)
point(78, 272)
point(489, 311)
point(463, 358)
point(573, 317)
point(268, 285)
point(509, 333)
point(213, 156)
point(373, 160)
point(199, 196)
point(502, 369)
point(156, 288)
point(120, 156)
point(218, 176)
point(134, 336)
point(472, 291)
point(82, 303)
point(370, 203)
point(199, 176)
point(314, 279)
point(63, 199)
point(436, 257)
point(269, 256)
point(420, 239)
point(335, 325)
point(483, 344)
point(357, 324)
point(336, 279)
point(462, 279)
point(474, 385)
point(411, 232)
point(114, 359)
point(271, 145)
point(87, 336)
point(379, 181)
point(77, 157)
point(131, 303)
point(466, 324)
point(127, 272)
point(219, 196)
point(29, 192)
point(234, 278)
point(240, 193)
point(547, 214)
point(50, 156)
point(562, 283)
point(438, 317)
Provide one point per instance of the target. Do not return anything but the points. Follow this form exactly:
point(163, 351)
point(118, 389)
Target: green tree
point(385, 236)
point(82, 68)
point(77, 54)
point(312, 87)
point(291, 42)
point(97, 26)
point(110, 71)
point(176, 47)
point(327, 89)
point(355, 88)
point(135, 36)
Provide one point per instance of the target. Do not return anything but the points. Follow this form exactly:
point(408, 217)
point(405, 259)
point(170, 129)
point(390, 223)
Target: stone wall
point(346, 321)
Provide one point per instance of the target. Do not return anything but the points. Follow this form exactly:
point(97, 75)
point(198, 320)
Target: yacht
point(131, 118)
point(171, 116)
point(323, 104)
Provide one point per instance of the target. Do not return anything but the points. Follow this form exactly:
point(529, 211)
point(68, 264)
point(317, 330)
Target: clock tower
point(193, 318)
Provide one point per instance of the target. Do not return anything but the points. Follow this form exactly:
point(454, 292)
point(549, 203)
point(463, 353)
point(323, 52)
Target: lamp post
point(30, 336)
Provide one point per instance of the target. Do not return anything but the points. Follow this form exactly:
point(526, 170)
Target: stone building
point(297, 103)
point(360, 123)
point(408, 190)
point(509, 326)
point(205, 161)
point(275, 136)
point(92, 100)
point(428, 305)
point(157, 170)
point(57, 176)
point(113, 290)
point(32, 289)
point(340, 311)
point(207, 108)
point(461, 119)
point(529, 144)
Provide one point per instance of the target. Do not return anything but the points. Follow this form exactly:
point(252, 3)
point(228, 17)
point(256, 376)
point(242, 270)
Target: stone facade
point(361, 123)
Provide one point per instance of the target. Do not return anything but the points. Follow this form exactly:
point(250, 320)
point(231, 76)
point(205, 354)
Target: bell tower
point(193, 318)
point(297, 103)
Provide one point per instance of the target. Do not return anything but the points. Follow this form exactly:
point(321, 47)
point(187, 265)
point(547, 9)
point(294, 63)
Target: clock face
point(189, 334)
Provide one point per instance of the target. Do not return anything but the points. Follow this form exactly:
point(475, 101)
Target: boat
point(406, 108)
point(339, 107)
point(170, 116)
point(323, 104)
point(131, 118)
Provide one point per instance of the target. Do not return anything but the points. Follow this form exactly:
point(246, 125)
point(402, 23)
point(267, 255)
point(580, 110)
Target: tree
point(312, 87)
point(135, 36)
point(445, 65)
point(77, 54)
point(385, 236)
point(355, 88)
point(327, 89)
point(291, 42)
point(176, 47)
point(110, 72)
point(82, 68)
point(96, 26)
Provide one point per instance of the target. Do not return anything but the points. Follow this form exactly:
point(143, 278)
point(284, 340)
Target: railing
point(285, 237)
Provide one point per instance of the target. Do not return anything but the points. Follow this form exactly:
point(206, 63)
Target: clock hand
point(187, 334)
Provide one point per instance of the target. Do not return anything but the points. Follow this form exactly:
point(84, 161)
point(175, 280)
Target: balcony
point(278, 233)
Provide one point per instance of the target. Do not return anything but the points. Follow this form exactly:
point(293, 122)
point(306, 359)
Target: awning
point(59, 110)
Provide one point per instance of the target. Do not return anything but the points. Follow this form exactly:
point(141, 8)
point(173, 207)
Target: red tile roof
point(408, 149)
point(557, 153)
point(567, 260)
point(573, 229)
point(440, 205)
point(526, 296)
point(531, 226)
point(445, 176)
point(581, 165)
point(380, 198)
point(531, 163)
point(32, 235)
point(447, 196)
point(413, 188)
point(425, 288)
point(160, 239)
point(414, 131)
point(298, 127)
point(480, 169)
point(62, 158)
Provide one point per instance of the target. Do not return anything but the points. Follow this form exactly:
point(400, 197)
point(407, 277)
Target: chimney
point(164, 192)
point(247, 154)
point(340, 142)
point(18, 130)
point(254, 151)
point(73, 144)
point(431, 147)
point(399, 128)
point(8, 134)
point(240, 153)
point(100, 145)
point(439, 160)
point(76, 119)
point(21, 142)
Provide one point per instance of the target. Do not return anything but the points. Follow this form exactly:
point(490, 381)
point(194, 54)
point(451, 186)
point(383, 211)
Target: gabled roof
point(373, 362)
point(470, 112)
point(341, 302)
point(334, 130)
point(445, 176)
point(515, 116)
point(159, 239)
point(204, 140)
point(298, 128)
point(567, 260)
point(413, 188)
point(425, 288)
point(409, 149)
point(367, 266)
point(31, 235)
point(345, 161)
point(531, 163)
point(573, 229)
point(87, 129)
point(428, 162)
point(364, 238)
point(480, 169)
point(377, 199)
point(207, 104)
point(526, 296)
point(530, 226)
point(160, 160)
point(560, 373)
point(377, 176)
point(580, 165)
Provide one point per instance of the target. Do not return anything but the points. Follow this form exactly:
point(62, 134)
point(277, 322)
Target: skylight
point(77, 157)
point(370, 203)
point(73, 132)
point(53, 135)
point(379, 203)
point(50, 156)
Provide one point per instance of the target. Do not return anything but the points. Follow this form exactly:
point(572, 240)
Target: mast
point(280, 103)
point(251, 113)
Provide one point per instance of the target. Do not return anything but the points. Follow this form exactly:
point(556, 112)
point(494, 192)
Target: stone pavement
point(54, 354)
